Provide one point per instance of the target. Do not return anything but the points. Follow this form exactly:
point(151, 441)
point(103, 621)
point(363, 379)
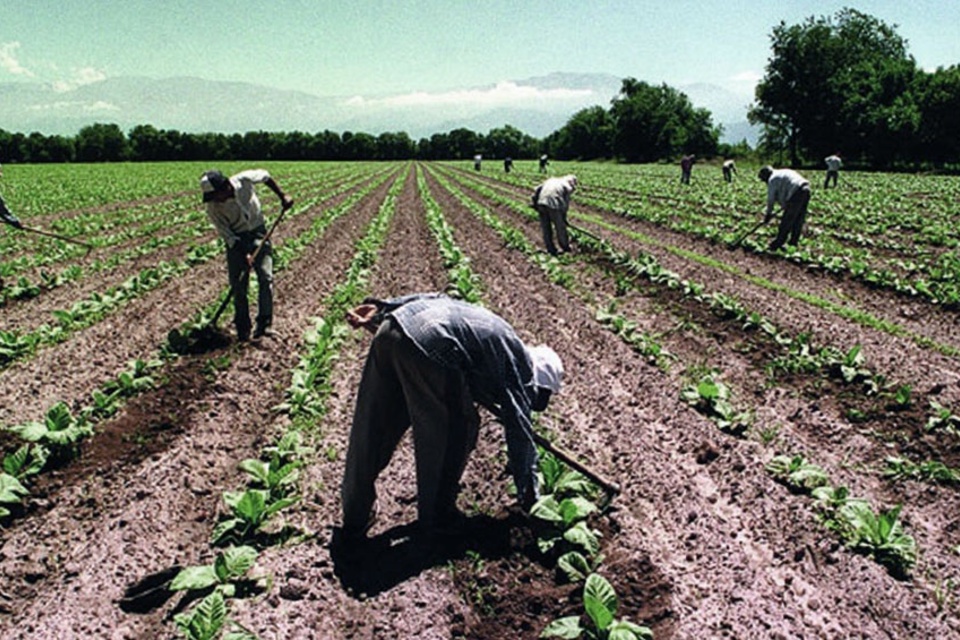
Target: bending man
point(431, 358)
point(791, 191)
point(552, 201)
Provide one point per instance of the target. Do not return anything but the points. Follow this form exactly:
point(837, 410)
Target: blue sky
point(370, 47)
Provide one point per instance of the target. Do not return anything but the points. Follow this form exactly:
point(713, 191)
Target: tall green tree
point(838, 83)
point(655, 122)
point(101, 143)
point(938, 99)
point(587, 135)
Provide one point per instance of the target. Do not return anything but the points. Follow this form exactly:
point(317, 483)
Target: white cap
point(547, 367)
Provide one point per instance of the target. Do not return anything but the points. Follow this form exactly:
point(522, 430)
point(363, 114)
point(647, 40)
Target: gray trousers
point(240, 285)
point(401, 387)
point(794, 215)
point(553, 219)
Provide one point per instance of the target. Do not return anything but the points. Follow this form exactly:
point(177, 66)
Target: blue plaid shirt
point(491, 356)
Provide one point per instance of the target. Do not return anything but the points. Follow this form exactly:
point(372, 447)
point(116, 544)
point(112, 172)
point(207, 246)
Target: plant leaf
point(600, 601)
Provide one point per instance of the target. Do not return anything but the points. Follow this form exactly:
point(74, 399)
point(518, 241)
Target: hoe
point(736, 243)
point(612, 488)
point(209, 336)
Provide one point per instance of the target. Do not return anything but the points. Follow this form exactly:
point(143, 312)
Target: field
point(785, 427)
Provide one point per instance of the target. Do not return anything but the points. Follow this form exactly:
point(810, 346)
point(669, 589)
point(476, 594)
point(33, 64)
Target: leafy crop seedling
point(600, 603)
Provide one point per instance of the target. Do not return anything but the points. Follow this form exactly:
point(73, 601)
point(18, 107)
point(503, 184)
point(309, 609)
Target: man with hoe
point(791, 191)
point(234, 209)
point(432, 357)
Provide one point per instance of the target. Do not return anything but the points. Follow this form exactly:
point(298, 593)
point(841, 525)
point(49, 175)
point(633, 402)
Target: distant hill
point(537, 106)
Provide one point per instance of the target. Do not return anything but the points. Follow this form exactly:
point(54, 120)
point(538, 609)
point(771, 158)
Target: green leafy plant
point(902, 397)
point(712, 398)
point(559, 480)
point(942, 418)
point(930, 471)
point(11, 492)
point(250, 510)
point(277, 477)
point(565, 523)
point(26, 461)
point(60, 432)
point(228, 568)
point(797, 473)
point(208, 620)
point(878, 535)
point(600, 603)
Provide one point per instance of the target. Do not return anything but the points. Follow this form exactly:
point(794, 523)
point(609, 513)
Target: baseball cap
point(211, 182)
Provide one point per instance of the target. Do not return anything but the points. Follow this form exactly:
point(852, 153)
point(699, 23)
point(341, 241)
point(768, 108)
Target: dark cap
point(211, 182)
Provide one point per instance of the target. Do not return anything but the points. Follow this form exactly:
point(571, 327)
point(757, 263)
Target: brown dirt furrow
point(744, 559)
point(117, 516)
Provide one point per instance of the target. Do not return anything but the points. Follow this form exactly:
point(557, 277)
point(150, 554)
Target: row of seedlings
point(568, 500)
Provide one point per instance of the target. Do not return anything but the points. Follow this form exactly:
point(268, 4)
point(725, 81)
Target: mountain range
point(537, 106)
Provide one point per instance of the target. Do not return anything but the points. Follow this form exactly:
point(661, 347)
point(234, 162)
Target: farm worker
point(686, 168)
point(507, 164)
point(477, 159)
point(544, 161)
point(729, 168)
point(234, 209)
point(552, 200)
point(433, 357)
point(5, 214)
point(791, 191)
point(833, 169)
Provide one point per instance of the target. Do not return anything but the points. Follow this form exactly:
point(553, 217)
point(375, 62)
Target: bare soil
point(702, 543)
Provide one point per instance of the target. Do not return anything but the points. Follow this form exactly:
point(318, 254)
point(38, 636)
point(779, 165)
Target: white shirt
point(833, 163)
point(781, 186)
point(555, 193)
point(242, 212)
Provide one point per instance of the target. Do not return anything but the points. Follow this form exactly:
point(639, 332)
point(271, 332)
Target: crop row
point(712, 397)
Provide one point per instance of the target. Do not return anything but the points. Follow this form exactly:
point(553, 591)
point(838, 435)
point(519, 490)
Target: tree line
point(839, 84)
point(104, 142)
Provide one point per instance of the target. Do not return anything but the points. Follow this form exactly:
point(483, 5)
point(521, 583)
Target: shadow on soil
point(371, 566)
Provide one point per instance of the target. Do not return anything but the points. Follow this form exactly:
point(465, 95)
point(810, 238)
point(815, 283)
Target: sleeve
point(7, 216)
point(771, 198)
point(521, 448)
point(256, 176)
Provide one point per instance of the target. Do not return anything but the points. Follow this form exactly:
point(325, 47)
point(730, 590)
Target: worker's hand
point(286, 202)
point(362, 316)
point(250, 260)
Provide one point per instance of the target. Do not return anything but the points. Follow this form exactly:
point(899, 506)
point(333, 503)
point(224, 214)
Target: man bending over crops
point(431, 358)
point(234, 209)
point(552, 200)
point(791, 191)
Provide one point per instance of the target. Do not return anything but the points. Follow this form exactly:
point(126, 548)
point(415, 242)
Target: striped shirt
point(493, 359)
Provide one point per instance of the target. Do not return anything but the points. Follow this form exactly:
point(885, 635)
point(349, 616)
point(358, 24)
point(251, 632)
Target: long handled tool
point(584, 232)
point(207, 336)
point(612, 488)
point(736, 243)
point(49, 234)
